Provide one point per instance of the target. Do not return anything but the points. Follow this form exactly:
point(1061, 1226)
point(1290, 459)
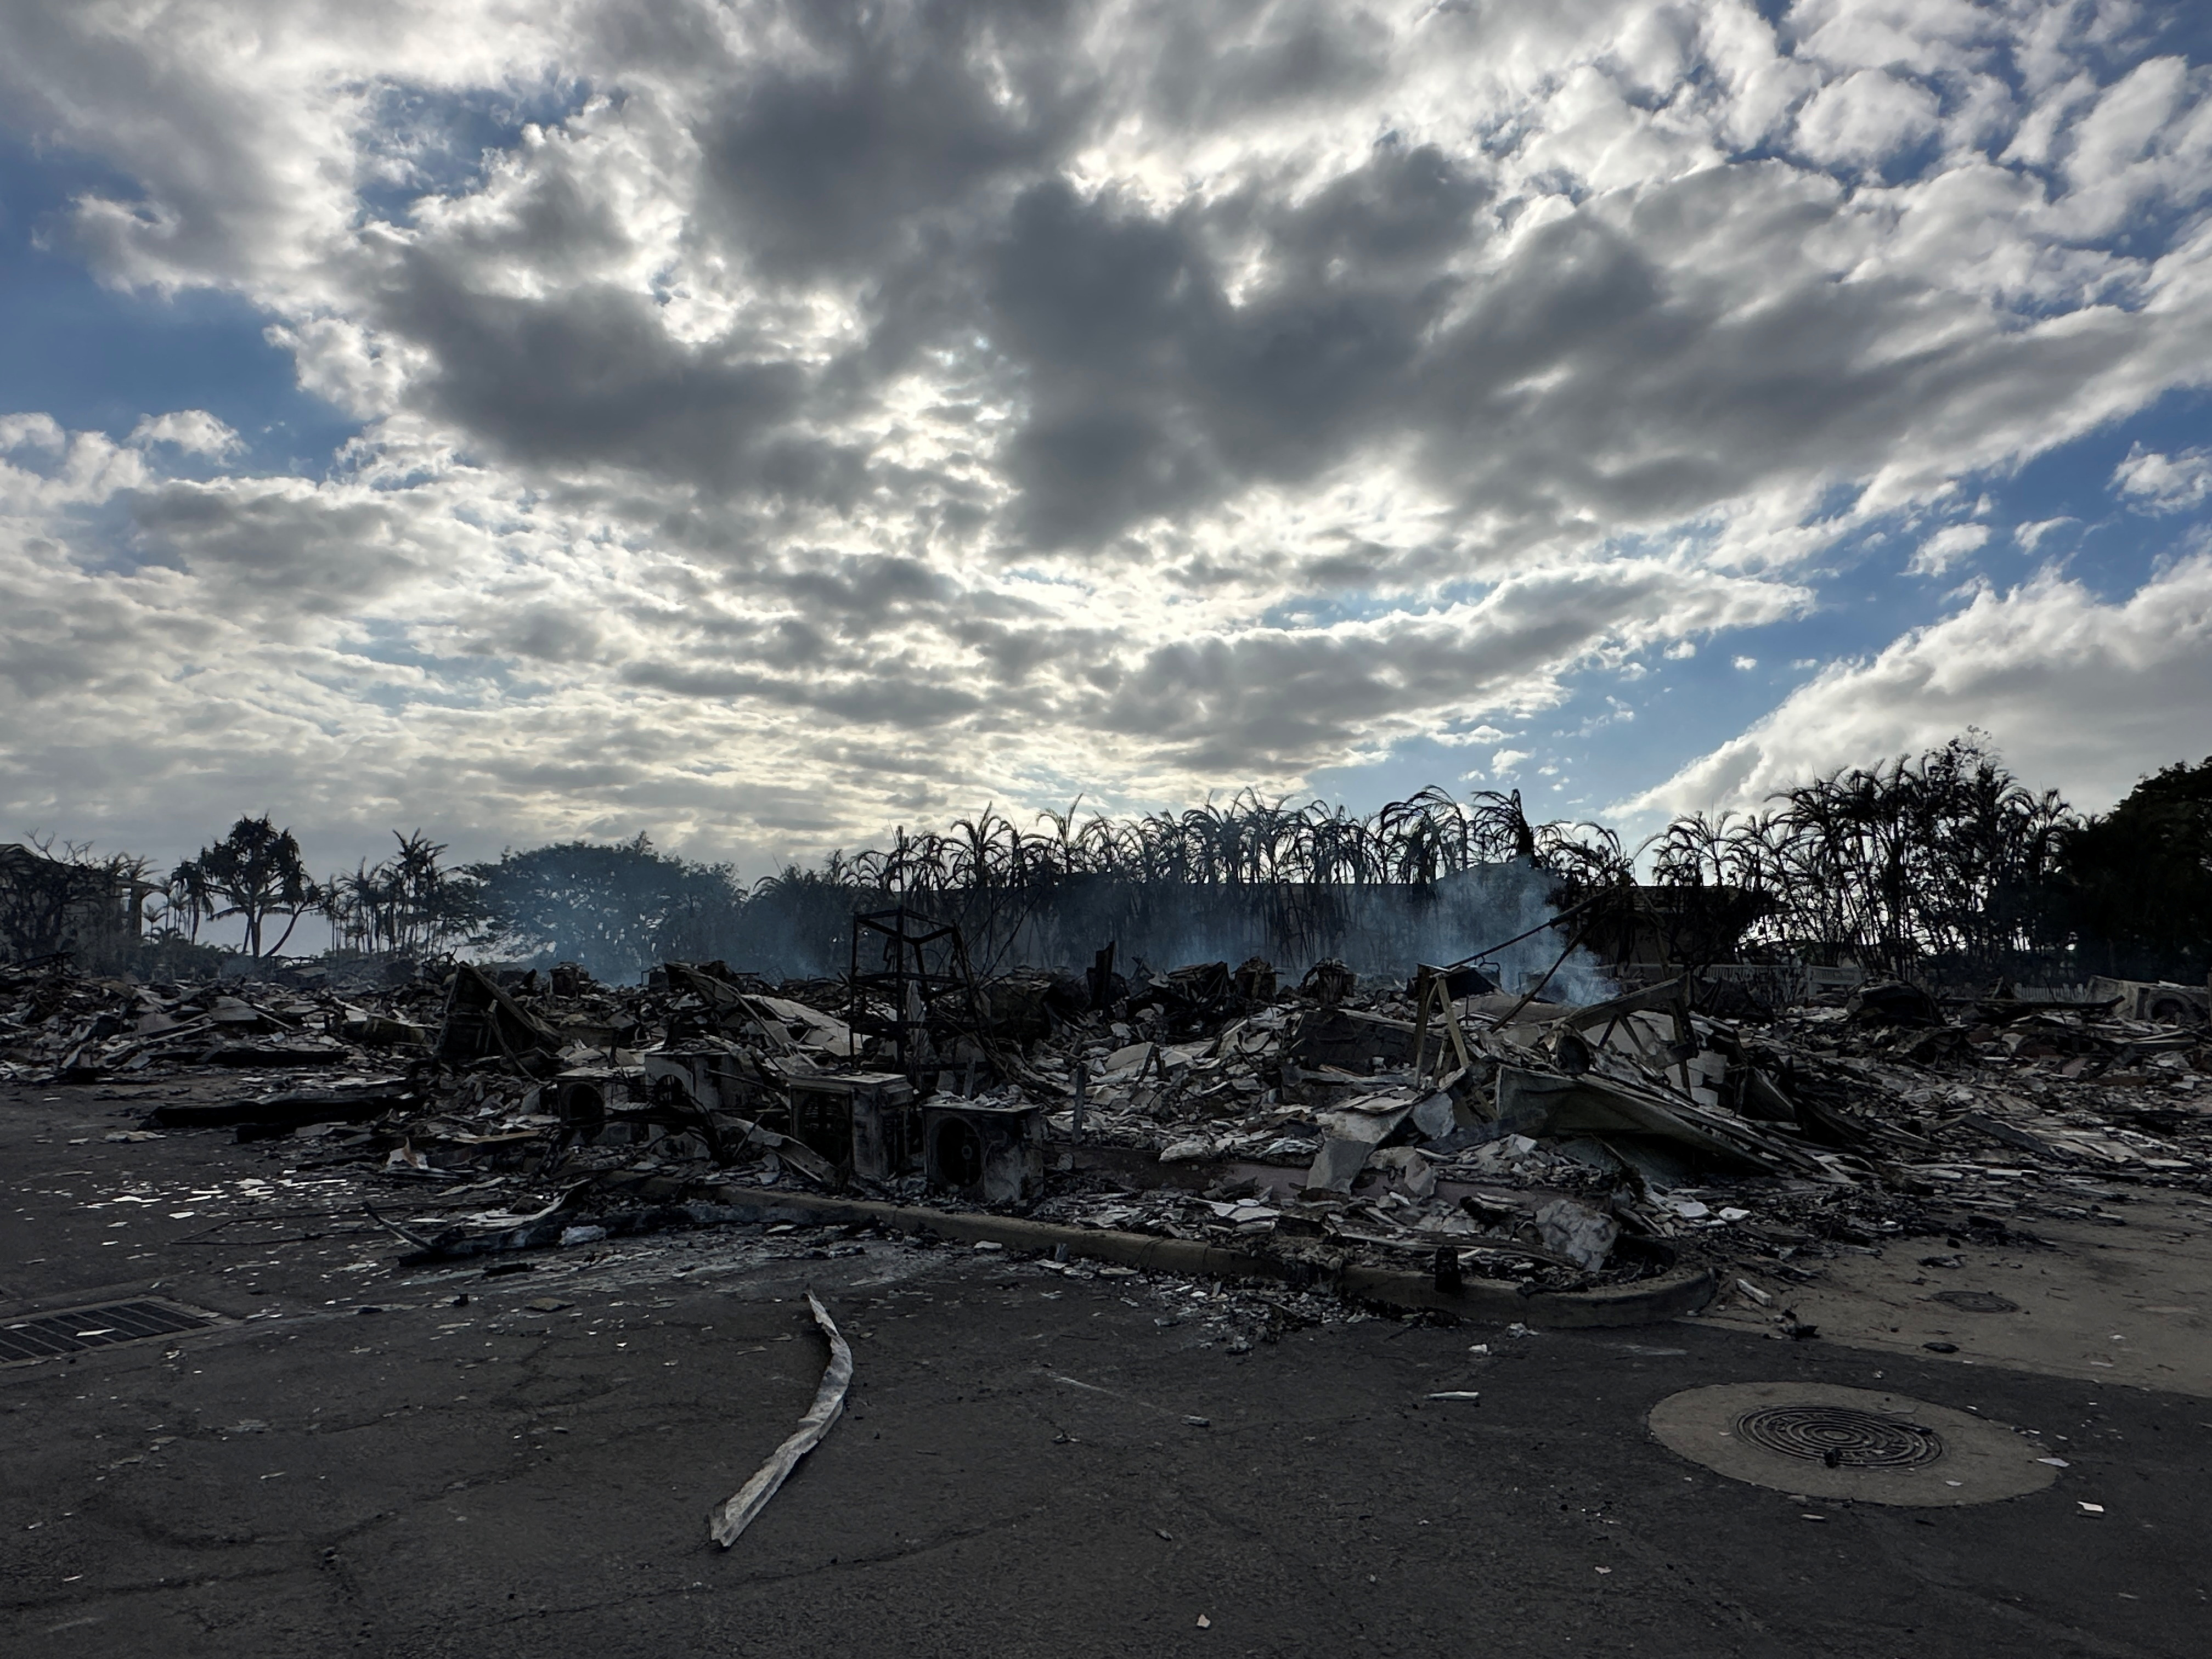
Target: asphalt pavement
point(1036, 1459)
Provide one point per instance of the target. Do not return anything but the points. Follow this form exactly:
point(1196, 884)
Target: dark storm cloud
point(889, 124)
point(1150, 391)
point(592, 377)
point(1637, 359)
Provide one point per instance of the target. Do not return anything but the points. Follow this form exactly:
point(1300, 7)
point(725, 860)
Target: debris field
point(1419, 1143)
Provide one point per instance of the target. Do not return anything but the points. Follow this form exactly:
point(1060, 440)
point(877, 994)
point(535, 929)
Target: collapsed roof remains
point(1437, 1143)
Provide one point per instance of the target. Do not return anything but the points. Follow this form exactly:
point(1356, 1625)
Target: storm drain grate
point(80, 1329)
point(1841, 1437)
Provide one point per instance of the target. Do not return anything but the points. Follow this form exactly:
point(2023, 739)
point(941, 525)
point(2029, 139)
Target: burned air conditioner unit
point(863, 1123)
point(985, 1154)
point(626, 1106)
point(718, 1077)
point(581, 1098)
point(2159, 1001)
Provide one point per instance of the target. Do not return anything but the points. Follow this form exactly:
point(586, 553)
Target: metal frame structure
point(907, 981)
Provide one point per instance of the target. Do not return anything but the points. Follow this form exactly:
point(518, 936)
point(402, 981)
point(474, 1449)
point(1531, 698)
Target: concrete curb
point(1646, 1302)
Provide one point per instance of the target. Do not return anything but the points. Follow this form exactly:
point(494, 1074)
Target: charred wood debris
point(1437, 1125)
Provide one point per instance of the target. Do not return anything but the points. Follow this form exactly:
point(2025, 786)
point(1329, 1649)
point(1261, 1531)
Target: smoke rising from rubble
point(1431, 878)
point(621, 918)
point(1379, 932)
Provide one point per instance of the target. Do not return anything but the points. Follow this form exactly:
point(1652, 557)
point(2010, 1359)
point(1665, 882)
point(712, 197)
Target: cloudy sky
point(762, 424)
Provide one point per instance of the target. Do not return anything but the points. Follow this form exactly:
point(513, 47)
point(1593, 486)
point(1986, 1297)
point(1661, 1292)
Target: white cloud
point(194, 431)
point(33, 431)
point(1866, 118)
point(2154, 482)
point(1480, 734)
point(2147, 139)
point(1939, 552)
point(1745, 664)
point(2079, 694)
point(56, 471)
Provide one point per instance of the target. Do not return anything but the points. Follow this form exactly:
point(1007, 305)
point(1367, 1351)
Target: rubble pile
point(1440, 1127)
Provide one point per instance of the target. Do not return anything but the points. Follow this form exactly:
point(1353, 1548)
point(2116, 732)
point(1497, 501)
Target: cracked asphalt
point(1032, 1461)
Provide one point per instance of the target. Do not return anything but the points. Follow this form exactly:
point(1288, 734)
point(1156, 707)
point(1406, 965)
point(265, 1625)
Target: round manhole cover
point(1831, 1441)
point(1840, 1436)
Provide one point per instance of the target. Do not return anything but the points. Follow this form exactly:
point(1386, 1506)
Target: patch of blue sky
point(2158, 226)
point(1618, 730)
point(2063, 509)
point(431, 141)
point(98, 359)
point(2158, 31)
